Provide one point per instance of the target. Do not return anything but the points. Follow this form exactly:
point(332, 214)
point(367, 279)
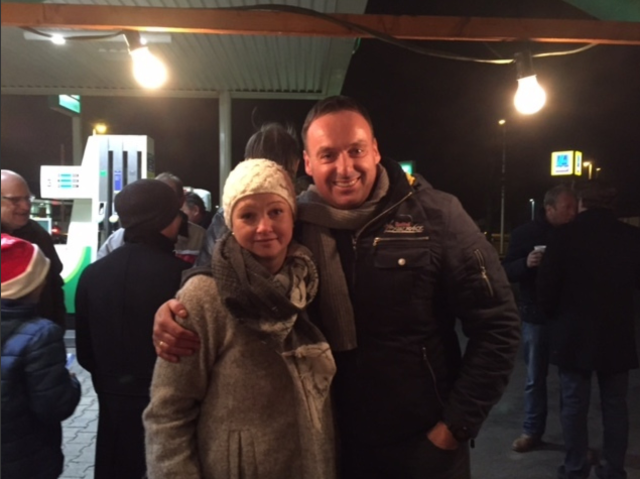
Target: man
point(191, 236)
point(521, 265)
point(116, 299)
point(16, 208)
point(196, 210)
point(586, 285)
point(398, 262)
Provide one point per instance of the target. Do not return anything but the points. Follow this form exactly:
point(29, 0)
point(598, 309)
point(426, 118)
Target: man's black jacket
point(586, 286)
point(411, 272)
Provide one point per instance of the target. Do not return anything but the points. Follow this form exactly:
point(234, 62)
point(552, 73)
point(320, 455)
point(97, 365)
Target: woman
point(254, 401)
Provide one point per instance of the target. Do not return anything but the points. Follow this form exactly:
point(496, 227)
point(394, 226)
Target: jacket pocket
point(242, 456)
point(401, 253)
point(430, 372)
point(399, 272)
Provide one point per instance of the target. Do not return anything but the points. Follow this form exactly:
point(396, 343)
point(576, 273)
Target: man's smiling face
point(342, 156)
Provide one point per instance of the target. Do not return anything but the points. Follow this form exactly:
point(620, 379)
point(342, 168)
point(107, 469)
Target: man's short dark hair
point(173, 181)
point(193, 200)
point(552, 195)
point(596, 194)
point(277, 143)
point(334, 104)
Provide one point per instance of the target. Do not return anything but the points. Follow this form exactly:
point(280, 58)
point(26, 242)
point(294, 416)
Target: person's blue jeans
point(535, 340)
point(576, 392)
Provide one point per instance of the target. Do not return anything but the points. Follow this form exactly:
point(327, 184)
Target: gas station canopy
point(245, 66)
point(248, 53)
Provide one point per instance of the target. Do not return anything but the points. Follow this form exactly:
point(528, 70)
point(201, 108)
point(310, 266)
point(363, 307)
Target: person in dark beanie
point(190, 235)
point(37, 390)
point(586, 284)
point(116, 300)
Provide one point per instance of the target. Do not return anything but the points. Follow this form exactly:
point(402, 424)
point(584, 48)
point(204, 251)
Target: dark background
point(442, 114)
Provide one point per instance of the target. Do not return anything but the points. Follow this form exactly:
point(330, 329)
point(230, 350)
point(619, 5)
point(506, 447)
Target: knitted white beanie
point(255, 176)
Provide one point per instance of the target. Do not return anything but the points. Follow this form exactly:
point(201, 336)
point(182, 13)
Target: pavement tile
point(492, 457)
point(72, 450)
point(73, 471)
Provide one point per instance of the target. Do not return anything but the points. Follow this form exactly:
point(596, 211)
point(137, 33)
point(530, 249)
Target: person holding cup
point(526, 248)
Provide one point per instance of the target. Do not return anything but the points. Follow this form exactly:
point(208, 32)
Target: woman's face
point(263, 225)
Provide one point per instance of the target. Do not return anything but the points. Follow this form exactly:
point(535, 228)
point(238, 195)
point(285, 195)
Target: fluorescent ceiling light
point(148, 37)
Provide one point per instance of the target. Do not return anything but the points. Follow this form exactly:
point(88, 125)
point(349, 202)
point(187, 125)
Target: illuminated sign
point(407, 166)
point(566, 163)
point(67, 104)
point(578, 163)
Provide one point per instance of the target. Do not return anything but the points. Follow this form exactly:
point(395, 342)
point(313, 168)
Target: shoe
point(526, 443)
point(562, 473)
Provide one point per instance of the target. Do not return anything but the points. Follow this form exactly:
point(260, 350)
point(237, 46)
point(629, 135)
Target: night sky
point(442, 114)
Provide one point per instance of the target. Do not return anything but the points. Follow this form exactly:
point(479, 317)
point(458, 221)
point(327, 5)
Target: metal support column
point(76, 139)
point(224, 114)
point(503, 180)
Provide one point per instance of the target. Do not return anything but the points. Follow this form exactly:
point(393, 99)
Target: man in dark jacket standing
point(526, 248)
point(586, 284)
point(116, 299)
point(399, 262)
point(16, 209)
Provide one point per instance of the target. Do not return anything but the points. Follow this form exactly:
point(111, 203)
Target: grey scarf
point(337, 318)
point(258, 299)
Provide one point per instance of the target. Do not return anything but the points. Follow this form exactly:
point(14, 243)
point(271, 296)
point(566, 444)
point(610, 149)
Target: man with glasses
point(16, 208)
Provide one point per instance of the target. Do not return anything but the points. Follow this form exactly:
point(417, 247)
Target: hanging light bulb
point(57, 39)
point(148, 70)
point(530, 97)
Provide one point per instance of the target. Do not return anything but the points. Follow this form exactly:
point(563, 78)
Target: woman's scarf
point(266, 302)
point(337, 318)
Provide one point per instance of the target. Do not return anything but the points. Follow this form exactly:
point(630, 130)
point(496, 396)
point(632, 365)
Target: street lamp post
point(589, 165)
point(503, 124)
point(533, 208)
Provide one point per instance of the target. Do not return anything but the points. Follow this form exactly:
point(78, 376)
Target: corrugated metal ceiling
point(200, 65)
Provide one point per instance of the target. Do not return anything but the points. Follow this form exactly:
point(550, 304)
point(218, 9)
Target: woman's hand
point(169, 338)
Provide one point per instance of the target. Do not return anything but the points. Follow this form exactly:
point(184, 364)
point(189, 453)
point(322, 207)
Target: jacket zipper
point(354, 240)
point(483, 270)
point(356, 236)
point(427, 363)
point(416, 238)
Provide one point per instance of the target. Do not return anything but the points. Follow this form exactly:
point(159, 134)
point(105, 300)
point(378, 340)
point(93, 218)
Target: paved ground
point(492, 457)
point(79, 431)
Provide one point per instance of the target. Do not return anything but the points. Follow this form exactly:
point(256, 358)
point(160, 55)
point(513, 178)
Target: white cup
point(540, 248)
